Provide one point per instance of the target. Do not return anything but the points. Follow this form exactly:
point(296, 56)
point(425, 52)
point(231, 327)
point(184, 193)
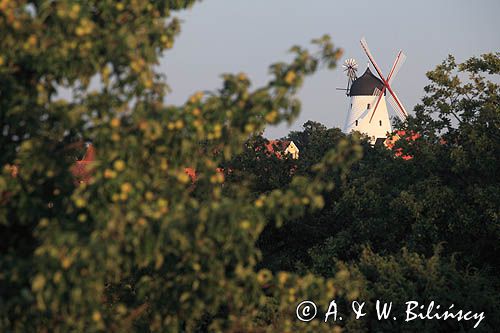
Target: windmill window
point(368, 106)
point(356, 123)
point(380, 122)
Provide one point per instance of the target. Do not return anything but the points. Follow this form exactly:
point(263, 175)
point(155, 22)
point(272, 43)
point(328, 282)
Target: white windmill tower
point(368, 109)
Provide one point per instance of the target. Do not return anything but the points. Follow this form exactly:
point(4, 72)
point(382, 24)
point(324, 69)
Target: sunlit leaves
point(139, 242)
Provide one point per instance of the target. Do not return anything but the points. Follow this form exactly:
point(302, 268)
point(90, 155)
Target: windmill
point(350, 68)
point(368, 110)
point(393, 99)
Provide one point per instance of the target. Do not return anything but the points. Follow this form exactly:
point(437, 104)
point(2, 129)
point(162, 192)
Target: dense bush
point(138, 247)
point(447, 195)
point(143, 247)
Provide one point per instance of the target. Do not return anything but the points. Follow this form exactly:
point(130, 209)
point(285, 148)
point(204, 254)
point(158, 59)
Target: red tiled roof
point(271, 146)
point(391, 140)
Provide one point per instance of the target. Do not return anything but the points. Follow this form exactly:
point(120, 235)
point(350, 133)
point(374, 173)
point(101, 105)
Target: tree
point(137, 248)
point(386, 218)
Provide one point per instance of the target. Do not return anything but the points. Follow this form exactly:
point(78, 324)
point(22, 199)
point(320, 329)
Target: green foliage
point(138, 247)
point(446, 195)
point(407, 276)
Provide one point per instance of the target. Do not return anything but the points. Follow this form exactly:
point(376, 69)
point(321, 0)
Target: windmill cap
point(365, 84)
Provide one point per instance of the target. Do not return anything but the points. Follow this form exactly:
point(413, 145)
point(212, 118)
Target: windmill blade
point(364, 45)
point(402, 114)
point(400, 107)
point(398, 62)
point(350, 67)
point(378, 93)
point(395, 108)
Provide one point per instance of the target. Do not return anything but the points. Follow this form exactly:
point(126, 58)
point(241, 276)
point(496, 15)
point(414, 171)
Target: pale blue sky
point(229, 36)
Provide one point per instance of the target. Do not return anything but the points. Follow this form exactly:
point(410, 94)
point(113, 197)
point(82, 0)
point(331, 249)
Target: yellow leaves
point(75, 10)
point(109, 174)
point(245, 224)
point(290, 77)
point(242, 271)
point(84, 28)
point(151, 129)
point(31, 42)
point(4, 4)
point(159, 261)
point(126, 187)
point(183, 177)
point(282, 278)
point(120, 6)
point(264, 276)
point(106, 71)
point(184, 296)
point(86, 46)
point(142, 221)
point(318, 202)
point(217, 133)
point(196, 112)
point(44, 222)
point(119, 165)
point(162, 203)
point(242, 77)
point(66, 262)
point(80, 31)
point(16, 25)
point(82, 218)
point(271, 116)
point(163, 164)
point(123, 196)
point(149, 196)
point(198, 125)
point(121, 309)
point(148, 83)
point(167, 42)
point(330, 287)
point(291, 295)
point(38, 282)
point(137, 65)
point(143, 125)
point(26, 146)
point(96, 316)
point(115, 122)
point(179, 124)
point(216, 193)
point(80, 202)
point(196, 97)
point(259, 203)
point(249, 128)
point(57, 277)
point(218, 178)
point(2, 61)
point(61, 12)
